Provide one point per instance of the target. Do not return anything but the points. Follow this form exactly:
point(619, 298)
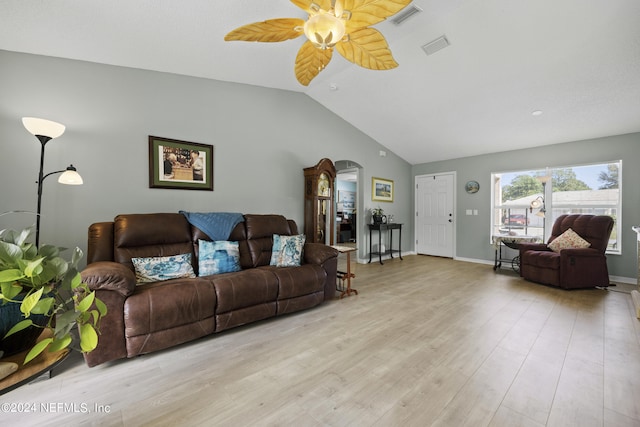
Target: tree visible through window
point(528, 202)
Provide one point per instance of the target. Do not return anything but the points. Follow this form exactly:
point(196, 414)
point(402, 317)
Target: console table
point(512, 242)
point(385, 227)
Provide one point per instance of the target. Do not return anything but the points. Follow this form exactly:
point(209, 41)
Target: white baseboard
point(474, 260)
point(619, 279)
point(615, 279)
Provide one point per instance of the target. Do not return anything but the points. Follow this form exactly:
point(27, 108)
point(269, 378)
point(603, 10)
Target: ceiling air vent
point(435, 45)
point(405, 14)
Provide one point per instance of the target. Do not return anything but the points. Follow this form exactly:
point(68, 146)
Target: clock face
point(323, 185)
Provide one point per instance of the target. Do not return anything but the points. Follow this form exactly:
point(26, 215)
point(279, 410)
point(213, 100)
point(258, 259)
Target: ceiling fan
point(340, 24)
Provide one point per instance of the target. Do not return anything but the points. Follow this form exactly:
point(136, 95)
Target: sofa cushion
point(136, 236)
point(244, 289)
point(260, 231)
point(297, 281)
point(568, 240)
point(165, 305)
point(541, 259)
point(155, 269)
point(217, 257)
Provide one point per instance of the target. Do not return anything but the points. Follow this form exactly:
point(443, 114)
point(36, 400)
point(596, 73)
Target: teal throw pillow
point(218, 257)
point(290, 252)
point(275, 250)
point(156, 269)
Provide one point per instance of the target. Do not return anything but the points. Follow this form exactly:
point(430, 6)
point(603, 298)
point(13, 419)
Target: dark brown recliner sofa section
point(571, 268)
point(154, 316)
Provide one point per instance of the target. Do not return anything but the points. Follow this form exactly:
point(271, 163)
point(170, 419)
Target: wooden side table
point(347, 250)
point(43, 363)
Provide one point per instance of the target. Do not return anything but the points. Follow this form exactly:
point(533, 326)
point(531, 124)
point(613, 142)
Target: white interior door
point(435, 219)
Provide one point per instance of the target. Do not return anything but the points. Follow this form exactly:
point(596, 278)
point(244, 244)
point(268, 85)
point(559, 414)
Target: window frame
point(498, 207)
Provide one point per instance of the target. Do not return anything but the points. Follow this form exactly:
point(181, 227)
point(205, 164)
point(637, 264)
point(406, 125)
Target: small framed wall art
point(472, 187)
point(381, 190)
point(180, 165)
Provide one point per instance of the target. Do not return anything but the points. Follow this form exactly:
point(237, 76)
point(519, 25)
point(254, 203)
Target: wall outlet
point(469, 212)
point(475, 211)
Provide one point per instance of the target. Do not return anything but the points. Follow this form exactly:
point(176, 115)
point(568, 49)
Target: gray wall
point(472, 232)
point(263, 139)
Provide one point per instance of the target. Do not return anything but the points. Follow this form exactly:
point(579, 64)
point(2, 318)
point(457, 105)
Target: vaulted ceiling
point(576, 61)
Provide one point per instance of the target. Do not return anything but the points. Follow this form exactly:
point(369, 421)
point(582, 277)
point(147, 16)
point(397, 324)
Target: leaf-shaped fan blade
point(272, 30)
point(367, 48)
point(310, 61)
point(365, 13)
point(304, 4)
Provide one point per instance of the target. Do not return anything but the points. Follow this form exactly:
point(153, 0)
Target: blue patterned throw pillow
point(290, 253)
point(275, 249)
point(155, 269)
point(218, 257)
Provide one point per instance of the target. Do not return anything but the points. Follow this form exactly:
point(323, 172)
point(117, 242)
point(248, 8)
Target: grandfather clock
point(319, 214)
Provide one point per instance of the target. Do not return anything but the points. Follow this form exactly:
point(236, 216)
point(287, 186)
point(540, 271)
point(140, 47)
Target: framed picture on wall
point(348, 200)
point(180, 165)
point(381, 190)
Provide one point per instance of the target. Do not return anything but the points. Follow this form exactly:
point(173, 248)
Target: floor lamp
point(45, 131)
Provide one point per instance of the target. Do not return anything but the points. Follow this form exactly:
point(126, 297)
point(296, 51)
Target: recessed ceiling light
point(537, 113)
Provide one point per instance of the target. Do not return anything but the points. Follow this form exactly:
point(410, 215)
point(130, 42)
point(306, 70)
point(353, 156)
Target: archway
point(348, 198)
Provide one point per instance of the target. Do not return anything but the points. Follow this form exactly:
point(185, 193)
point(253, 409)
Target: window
point(528, 202)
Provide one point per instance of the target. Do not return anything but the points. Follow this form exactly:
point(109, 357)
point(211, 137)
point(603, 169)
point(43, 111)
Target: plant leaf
point(43, 306)
point(59, 344)
point(24, 324)
point(76, 256)
point(9, 252)
point(86, 302)
point(23, 236)
point(365, 13)
point(272, 30)
point(37, 349)
point(310, 61)
point(367, 48)
point(10, 290)
point(33, 268)
point(102, 307)
point(88, 337)
point(76, 281)
point(10, 275)
point(30, 301)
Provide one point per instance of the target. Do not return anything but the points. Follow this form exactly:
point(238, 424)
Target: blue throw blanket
point(217, 225)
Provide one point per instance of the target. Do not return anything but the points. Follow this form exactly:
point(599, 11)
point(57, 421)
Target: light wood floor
point(429, 341)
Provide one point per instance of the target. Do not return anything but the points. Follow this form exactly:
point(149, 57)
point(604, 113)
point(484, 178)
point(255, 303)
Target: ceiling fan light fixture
point(324, 29)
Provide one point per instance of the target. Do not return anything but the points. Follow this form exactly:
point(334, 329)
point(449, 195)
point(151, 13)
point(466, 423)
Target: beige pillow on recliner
point(568, 240)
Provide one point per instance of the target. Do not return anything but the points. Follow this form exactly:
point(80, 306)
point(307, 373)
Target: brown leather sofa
point(154, 316)
point(570, 268)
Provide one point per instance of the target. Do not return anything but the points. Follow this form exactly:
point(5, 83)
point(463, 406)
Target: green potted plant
point(46, 286)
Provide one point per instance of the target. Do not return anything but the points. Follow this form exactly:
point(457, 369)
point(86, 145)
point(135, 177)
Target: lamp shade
point(70, 177)
point(43, 127)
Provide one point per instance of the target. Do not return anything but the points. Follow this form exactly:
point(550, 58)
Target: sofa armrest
point(533, 247)
point(109, 276)
point(581, 253)
point(318, 253)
